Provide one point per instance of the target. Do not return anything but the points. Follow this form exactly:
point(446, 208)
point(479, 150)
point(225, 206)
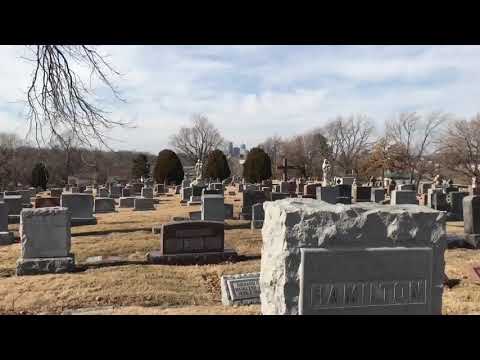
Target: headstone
point(104, 205)
point(147, 192)
point(45, 240)
point(347, 180)
point(40, 202)
point(423, 187)
point(213, 208)
point(241, 289)
point(177, 189)
point(439, 201)
point(185, 194)
point(378, 195)
point(328, 194)
point(455, 203)
point(102, 193)
point(362, 193)
point(14, 204)
point(81, 208)
point(249, 199)
point(143, 204)
point(115, 191)
point(360, 259)
point(196, 197)
point(228, 211)
point(240, 187)
point(284, 187)
point(471, 219)
point(311, 189)
point(187, 242)
point(258, 216)
point(406, 187)
point(6, 237)
point(430, 193)
point(195, 215)
point(400, 197)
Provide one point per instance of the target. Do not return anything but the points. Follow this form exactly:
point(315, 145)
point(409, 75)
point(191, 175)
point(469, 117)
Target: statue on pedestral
point(327, 172)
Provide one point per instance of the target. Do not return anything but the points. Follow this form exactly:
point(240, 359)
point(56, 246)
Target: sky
point(252, 92)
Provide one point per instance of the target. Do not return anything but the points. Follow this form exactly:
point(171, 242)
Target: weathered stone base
point(83, 221)
point(473, 239)
point(39, 266)
point(155, 257)
point(14, 219)
point(190, 203)
point(6, 238)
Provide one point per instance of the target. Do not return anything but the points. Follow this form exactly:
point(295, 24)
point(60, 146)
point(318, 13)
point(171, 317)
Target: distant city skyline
point(252, 92)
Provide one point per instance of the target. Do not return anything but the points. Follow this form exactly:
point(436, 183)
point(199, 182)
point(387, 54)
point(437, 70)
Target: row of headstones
point(46, 242)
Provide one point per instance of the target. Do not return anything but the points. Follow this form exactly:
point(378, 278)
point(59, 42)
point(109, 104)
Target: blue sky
point(252, 92)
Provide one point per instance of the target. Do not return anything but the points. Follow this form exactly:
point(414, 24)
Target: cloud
point(252, 92)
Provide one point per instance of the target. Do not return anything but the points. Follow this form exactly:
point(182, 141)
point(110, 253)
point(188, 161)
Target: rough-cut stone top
point(45, 211)
point(315, 223)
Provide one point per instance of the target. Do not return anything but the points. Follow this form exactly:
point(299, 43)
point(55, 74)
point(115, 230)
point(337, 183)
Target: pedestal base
point(83, 221)
point(155, 257)
point(38, 266)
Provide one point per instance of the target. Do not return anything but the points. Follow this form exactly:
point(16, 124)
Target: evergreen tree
point(168, 168)
point(217, 166)
point(40, 176)
point(258, 166)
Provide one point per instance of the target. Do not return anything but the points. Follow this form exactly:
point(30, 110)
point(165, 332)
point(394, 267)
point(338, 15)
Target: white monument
point(327, 173)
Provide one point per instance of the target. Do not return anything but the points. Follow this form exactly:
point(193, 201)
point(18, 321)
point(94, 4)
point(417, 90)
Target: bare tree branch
point(59, 102)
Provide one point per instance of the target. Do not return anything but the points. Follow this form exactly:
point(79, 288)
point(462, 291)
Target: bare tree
point(273, 147)
point(9, 171)
point(415, 134)
point(459, 147)
point(348, 139)
point(197, 141)
point(59, 101)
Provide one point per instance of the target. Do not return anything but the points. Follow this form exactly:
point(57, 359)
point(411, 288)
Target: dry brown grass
point(163, 290)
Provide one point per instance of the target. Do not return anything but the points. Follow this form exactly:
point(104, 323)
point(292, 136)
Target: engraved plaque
point(244, 288)
point(365, 281)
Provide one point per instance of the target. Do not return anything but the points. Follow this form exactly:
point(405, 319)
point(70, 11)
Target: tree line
point(415, 145)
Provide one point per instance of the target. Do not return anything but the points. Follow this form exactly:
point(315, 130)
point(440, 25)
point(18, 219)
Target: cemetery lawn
point(159, 289)
point(136, 288)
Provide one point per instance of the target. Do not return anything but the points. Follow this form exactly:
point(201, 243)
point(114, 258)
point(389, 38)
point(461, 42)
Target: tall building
point(230, 148)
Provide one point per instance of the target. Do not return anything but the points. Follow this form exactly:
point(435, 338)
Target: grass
point(161, 289)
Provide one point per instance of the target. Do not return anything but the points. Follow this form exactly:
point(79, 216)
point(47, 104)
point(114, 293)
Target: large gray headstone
point(378, 195)
point(365, 258)
point(400, 197)
point(45, 232)
point(213, 207)
point(80, 206)
point(258, 215)
point(471, 218)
